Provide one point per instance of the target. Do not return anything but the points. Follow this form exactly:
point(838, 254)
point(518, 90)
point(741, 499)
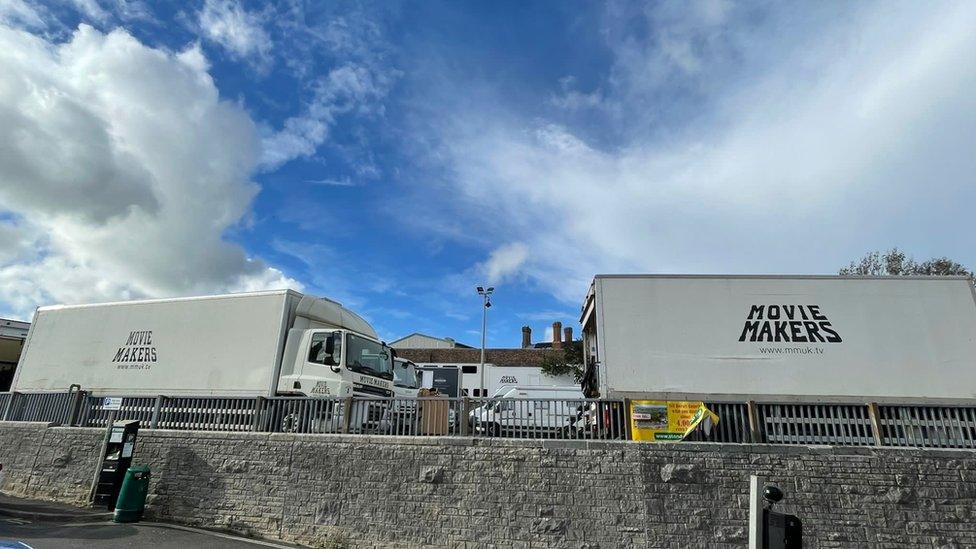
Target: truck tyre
point(289, 423)
point(494, 430)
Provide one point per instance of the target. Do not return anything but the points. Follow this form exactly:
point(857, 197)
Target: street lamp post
point(485, 305)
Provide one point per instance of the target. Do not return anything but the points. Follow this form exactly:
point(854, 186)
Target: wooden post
point(465, 412)
point(155, 414)
point(74, 413)
point(8, 411)
point(755, 433)
point(256, 418)
point(628, 427)
point(346, 414)
point(875, 424)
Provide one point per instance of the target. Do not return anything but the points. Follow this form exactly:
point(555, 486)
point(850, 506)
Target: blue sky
point(395, 155)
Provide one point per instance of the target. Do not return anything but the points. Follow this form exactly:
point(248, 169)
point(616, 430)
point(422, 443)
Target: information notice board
point(667, 421)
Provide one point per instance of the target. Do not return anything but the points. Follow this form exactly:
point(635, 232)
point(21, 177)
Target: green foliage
point(895, 262)
point(567, 362)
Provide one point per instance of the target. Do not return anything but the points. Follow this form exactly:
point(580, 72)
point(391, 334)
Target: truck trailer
point(783, 338)
point(272, 343)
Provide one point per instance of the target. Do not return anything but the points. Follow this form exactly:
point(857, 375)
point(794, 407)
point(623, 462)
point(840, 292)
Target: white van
point(529, 411)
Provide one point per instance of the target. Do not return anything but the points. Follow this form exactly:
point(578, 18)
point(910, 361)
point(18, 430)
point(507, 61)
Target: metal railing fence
point(93, 413)
point(733, 425)
point(853, 424)
point(928, 426)
point(47, 407)
point(835, 424)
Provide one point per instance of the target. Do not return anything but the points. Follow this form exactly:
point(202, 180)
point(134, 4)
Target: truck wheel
point(289, 423)
point(494, 430)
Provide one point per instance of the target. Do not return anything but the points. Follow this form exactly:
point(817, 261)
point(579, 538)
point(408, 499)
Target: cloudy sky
point(394, 155)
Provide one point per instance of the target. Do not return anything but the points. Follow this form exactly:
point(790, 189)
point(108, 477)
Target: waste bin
point(132, 496)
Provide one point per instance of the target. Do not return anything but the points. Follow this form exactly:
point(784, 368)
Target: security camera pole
point(486, 303)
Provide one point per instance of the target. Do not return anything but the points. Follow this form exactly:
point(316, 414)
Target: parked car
point(528, 411)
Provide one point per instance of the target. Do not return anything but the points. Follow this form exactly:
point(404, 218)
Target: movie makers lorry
point(780, 338)
point(274, 343)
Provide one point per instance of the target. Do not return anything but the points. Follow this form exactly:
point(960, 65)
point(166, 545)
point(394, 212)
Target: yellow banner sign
point(664, 421)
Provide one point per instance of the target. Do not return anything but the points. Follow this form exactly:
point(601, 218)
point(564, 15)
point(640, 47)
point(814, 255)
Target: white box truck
point(251, 344)
point(789, 338)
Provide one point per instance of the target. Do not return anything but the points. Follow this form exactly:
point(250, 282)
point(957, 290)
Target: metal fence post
point(258, 412)
point(154, 421)
point(874, 415)
point(755, 434)
point(346, 414)
point(8, 412)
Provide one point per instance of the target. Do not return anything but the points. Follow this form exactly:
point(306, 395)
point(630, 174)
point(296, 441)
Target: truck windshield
point(405, 375)
point(368, 357)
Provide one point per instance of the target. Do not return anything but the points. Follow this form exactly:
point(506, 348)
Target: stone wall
point(337, 490)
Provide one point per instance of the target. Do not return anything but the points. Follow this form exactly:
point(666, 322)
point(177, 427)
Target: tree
point(567, 362)
point(895, 262)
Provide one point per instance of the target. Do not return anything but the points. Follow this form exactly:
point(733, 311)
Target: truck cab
point(336, 363)
point(406, 379)
point(401, 416)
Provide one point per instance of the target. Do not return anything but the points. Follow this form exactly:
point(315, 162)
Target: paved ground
point(109, 535)
point(43, 525)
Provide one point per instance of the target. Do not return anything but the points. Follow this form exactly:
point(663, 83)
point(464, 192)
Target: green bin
point(132, 496)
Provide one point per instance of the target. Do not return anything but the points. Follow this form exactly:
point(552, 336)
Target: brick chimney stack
point(568, 335)
point(526, 337)
point(557, 334)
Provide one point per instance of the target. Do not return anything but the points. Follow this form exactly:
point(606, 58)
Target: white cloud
point(572, 99)
point(505, 262)
point(120, 172)
point(859, 136)
point(240, 32)
point(21, 14)
point(91, 9)
point(337, 182)
point(349, 88)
